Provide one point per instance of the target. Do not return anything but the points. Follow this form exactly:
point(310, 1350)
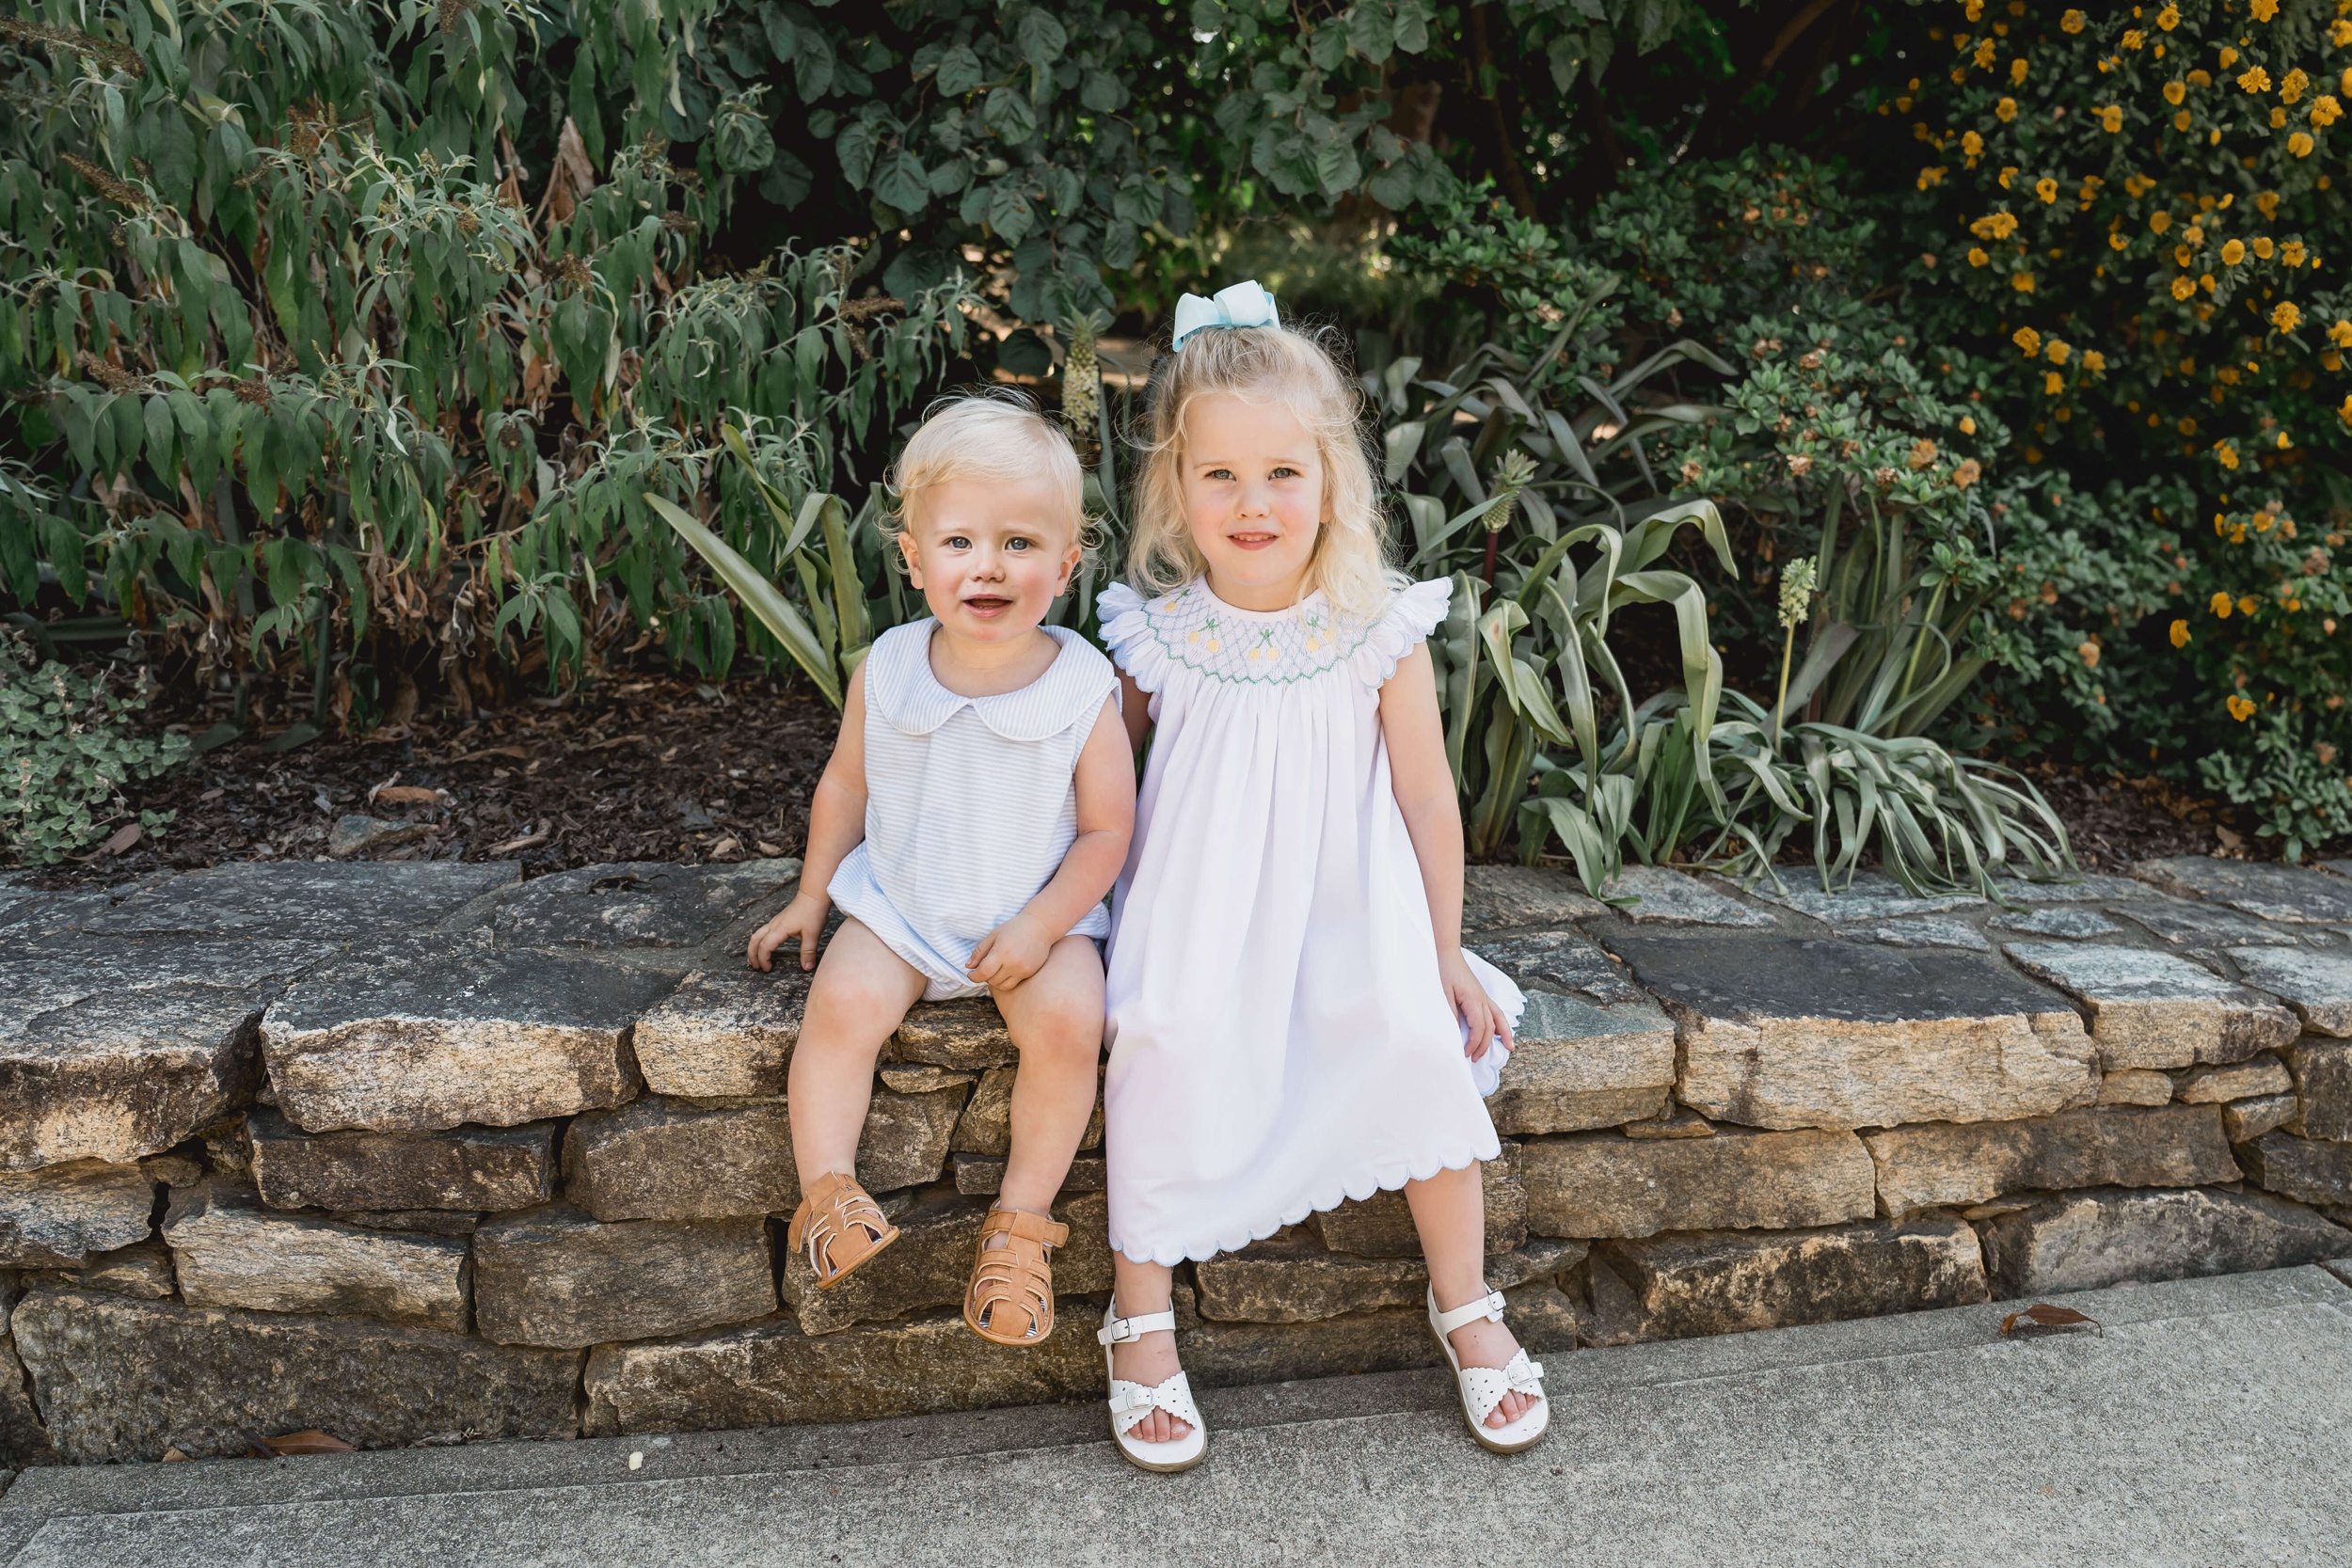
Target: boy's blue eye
point(1016, 544)
point(957, 541)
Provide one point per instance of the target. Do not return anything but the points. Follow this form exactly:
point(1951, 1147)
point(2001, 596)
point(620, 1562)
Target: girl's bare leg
point(1450, 1212)
point(1139, 1289)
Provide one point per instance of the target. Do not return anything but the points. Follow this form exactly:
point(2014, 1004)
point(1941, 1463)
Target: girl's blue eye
point(1285, 471)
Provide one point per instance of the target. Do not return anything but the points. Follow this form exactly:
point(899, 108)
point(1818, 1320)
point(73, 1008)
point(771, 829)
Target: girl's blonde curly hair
point(1298, 369)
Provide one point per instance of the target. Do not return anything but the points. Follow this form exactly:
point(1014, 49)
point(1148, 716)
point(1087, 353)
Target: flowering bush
point(2132, 214)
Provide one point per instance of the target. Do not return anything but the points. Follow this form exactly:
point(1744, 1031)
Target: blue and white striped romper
point(971, 803)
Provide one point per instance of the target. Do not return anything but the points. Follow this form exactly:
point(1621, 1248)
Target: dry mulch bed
point(650, 767)
point(644, 767)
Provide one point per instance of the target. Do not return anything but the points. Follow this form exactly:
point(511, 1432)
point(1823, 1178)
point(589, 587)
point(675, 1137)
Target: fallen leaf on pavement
point(405, 795)
point(2042, 1316)
point(308, 1440)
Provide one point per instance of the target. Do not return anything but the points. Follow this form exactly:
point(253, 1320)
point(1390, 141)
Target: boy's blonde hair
point(992, 433)
point(1300, 371)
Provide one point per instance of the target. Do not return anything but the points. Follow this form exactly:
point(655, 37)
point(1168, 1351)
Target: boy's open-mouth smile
point(987, 606)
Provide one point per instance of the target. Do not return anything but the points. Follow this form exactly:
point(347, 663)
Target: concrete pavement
point(2210, 1422)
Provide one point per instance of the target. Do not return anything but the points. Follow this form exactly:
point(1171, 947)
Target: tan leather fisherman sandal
point(1010, 1300)
point(836, 1227)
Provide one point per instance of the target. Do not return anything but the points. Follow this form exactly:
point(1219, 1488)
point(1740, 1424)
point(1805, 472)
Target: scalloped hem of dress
point(1387, 1179)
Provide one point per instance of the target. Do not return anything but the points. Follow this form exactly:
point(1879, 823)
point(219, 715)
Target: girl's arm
point(1135, 711)
point(1423, 783)
point(836, 823)
point(1105, 782)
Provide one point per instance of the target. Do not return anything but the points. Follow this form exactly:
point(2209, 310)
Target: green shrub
point(66, 751)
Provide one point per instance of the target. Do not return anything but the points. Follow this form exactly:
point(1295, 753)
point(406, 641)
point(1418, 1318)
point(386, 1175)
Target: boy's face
point(989, 556)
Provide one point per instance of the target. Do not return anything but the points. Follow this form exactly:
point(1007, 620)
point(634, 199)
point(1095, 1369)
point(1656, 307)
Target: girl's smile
point(1253, 493)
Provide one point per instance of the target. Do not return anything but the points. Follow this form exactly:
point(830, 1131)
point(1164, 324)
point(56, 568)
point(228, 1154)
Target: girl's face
point(989, 557)
point(1252, 478)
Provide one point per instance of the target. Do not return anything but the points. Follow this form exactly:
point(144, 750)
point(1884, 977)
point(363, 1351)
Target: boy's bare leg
point(1450, 1212)
point(861, 993)
point(1056, 1019)
point(1139, 1289)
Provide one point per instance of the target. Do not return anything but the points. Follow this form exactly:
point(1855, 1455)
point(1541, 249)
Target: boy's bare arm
point(1106, 781)
point(836, 823)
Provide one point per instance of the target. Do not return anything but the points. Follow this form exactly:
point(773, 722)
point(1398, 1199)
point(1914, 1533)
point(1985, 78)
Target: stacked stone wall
point(415, 1153)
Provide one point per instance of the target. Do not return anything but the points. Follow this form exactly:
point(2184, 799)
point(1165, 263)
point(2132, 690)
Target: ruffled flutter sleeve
point(1413, 614)
point(1127, 633)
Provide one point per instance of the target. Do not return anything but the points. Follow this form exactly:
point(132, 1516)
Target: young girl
point(977, 808)
point(1293, 1018)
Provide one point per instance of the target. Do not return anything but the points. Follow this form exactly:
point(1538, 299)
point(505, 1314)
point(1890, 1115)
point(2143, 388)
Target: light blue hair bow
point(1240, 305)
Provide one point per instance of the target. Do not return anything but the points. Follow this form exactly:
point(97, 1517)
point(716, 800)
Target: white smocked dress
point(971, 803)
point(1280, 1039)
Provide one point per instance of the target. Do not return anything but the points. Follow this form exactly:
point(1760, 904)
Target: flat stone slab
point(58, 1216)
point(1561, 962)
point(433, 1036)
point(2089, 887)
point(1503, 898)
point(1227, 1355)
point(2243, 1120)
point(1870, 898)
point(770, 1373)
point(1927, 930)
point(305, 899)
point(2135, 1085)
point(554, 1277)
point(724, 1032)
point(657, 1159)
point(468, 1170)
point(122, 1380)
point(2151, 1010)
point(230, 1251)
point(2252, 1078)
point(143, 1269)
point(1786, 1032)
point(2317, 985)
point(1732, 1282)
point(1963, 1163)
point(930, 1265)
point(2089, 1239)
point(639, 903)
point(1591, 1048)
point(110, 1050)
point(2323, 1089)
point(2309, 1170)
point(1291, 1278)
point(1664, 895)
point(2288, 893)
point(966, 1036)
point(1603, 1184)
point(2184, 924)
point(2070, 921)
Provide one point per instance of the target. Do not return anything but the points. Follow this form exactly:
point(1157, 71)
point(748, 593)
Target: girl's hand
point(1472, 1005)
point(1010, 953)
point(804, 918)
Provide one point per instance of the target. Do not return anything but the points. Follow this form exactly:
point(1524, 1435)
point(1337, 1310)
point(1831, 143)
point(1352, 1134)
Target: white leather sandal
point(1131, 1401)
point(1482, 1387)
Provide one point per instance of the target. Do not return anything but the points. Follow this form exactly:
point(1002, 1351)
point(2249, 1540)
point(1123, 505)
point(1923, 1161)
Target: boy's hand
point(804, 918)
point(1472, 1005)
point(1010, 953)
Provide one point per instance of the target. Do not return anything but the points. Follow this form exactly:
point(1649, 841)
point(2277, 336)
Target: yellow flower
point(2089, 653)
point(2263, 9)
point(1931, 177)
point(2291, 86)
point(2226, 453)
point(2341, 34)
point(2056, 352)
point(2268, 202)
point(2344, 413)
point(2052, 384)
point(2168, 17)
point(1968, 423)
point(2134, 40)
point(2277, 118)
point(2174, 92)
point(2263, 246)
point(2071, 21)
point(2325, 111)
point(2300, 144)
point(2017, 72)
point(1972, 144)
point(1976, 257)
point(2253, 80)
point(2094, 363)
point(2222, 605)
point(1984, 54)
point(2229, 56)
point(2246, 603)
point(2291, 253)
point(2111, 118)
point(2029, 340)
point(2183, 288)
point(2159, 222)
point(2232, 252)
point(2241, 708)
point(2117, 242)
point(1971, 470)
point(2180, 634)
point(2341, 334)
point(2286, 316)
point(2021, 282)
point(2005, 111)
